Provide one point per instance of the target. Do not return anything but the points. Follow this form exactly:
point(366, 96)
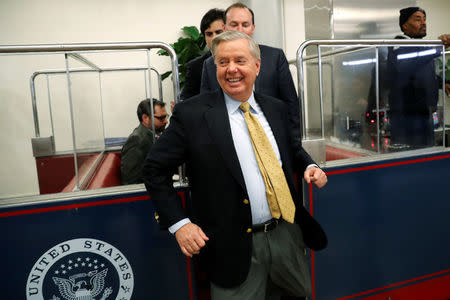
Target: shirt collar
point(233, 105)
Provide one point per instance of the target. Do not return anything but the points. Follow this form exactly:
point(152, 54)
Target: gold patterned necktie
point(277, 190)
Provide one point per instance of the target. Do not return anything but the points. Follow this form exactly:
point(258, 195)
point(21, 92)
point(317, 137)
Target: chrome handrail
point(76, 47)
point(81, 70)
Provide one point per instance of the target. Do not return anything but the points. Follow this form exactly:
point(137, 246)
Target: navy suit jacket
point(199, 135)
point(194, 76)
point(134, 152)
point(274, 80)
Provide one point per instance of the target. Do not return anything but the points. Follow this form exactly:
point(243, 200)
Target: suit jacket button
point(156, 216)
point(245, 201)
point(249, 230)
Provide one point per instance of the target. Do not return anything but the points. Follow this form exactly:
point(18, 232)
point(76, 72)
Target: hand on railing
point(445, 38)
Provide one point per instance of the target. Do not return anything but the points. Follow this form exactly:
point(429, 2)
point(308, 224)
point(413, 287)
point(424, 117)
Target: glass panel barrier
point(365, 98)
point(28, 126)
point(68, 102)
point(415, 112)
point(86, 113)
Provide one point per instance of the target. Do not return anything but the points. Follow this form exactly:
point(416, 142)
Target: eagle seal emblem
point(81, 269)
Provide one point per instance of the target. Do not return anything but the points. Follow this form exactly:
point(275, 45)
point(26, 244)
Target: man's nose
point(232, 67)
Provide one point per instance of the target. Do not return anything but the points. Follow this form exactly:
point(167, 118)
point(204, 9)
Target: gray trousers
point(278, 267)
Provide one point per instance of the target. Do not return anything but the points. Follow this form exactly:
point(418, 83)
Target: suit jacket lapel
point(220, 130)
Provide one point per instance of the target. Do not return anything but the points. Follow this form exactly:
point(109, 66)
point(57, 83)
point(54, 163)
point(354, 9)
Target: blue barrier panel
point(387, 223)
point(107, 247)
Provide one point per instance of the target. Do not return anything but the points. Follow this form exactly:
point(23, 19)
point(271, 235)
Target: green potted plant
point(187, 47)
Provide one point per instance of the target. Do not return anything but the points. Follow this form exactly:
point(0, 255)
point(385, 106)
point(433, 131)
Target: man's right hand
point(191, 239)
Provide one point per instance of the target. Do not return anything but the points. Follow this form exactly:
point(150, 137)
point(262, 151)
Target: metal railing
point(72, 50)
point(97, 70)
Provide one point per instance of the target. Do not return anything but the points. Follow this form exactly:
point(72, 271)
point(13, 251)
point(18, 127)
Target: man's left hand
point(447, 89)
point(315, 175)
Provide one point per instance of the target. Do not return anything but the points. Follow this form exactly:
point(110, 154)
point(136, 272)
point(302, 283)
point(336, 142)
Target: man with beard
point(413, 83)
point(141, 140)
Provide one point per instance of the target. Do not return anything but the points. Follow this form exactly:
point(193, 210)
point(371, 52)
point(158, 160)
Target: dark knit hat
point(405, 13)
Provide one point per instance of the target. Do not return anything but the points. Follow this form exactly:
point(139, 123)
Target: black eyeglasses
point(161, 118)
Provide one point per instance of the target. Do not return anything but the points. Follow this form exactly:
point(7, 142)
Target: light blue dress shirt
point(242, 143)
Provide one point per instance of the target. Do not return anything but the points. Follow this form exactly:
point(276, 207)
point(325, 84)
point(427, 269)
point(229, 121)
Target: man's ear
point(146, 121)
point(258, 66)
point(403, 27)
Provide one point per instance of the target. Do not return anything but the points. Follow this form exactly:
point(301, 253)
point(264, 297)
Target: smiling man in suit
point(274, 79)
point(246, 224)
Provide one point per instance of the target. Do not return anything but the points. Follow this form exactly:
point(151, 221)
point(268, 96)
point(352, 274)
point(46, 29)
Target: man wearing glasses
point(141, 140)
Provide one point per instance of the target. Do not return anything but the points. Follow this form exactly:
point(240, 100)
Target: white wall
point(294, 30)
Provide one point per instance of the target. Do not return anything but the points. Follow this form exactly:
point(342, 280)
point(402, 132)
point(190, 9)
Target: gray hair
point(232, 36)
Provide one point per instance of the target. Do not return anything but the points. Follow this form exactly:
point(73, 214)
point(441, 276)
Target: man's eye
point(208, 33)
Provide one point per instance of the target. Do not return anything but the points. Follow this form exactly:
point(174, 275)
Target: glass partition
point(83, 107)
point(362, 100)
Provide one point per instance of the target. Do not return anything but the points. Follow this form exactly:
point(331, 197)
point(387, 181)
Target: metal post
point(319, 52)
point(101, 107)
point(34, 106)
point(301, 90)
point(50, 106)
point(377, 95)
point(151, 96)
point(443, 96)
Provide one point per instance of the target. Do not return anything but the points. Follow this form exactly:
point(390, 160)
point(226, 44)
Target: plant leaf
point(192, 32)
point(165, 75)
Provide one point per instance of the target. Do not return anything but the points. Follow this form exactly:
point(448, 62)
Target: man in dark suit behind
point(141, 139)
point(210, 26)
point(274, 80)
point(247, 253)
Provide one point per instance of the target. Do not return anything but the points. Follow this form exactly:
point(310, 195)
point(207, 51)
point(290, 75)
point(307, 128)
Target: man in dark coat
point(275, 78)
point(141, 140)
point(413, 83)
point(210, 26)
point(248, 251)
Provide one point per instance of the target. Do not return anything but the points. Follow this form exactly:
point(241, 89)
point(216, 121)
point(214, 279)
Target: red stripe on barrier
point(313, 281)
point(189, 271)
point(394, 285)
point(188, 260)
point(388, 165)
point(71, 206)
